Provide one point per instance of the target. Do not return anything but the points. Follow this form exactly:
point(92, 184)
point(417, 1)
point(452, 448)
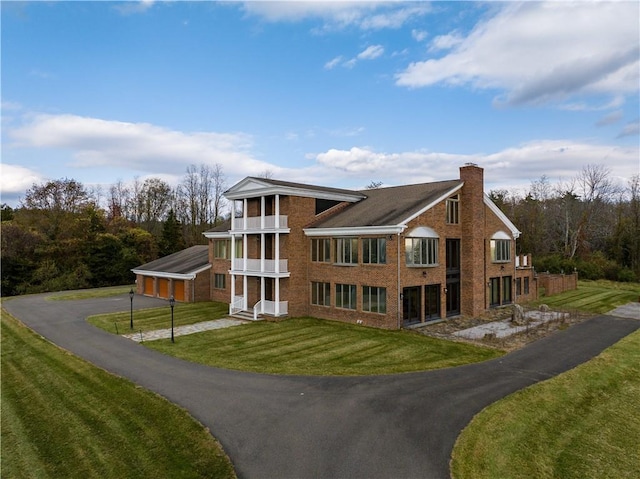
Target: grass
point(319, 347)
point(594, 296)
point(160, 318)
point(92, 293)
point(62, 417)
point(582, 424)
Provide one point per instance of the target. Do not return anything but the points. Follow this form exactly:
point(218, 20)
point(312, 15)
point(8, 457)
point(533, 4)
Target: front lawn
point(584, 423)
point(160, 318)
point(320, 347)
point(63, 417)
point(594, 296)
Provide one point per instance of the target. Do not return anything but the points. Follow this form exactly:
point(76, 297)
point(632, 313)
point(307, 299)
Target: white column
point(277, 305)
point(244, 214)
point(262, 210)
point(245, 247)
point(277, 255)
point(262, 294)
point(262, 252)
point(277, 218)
point(233, 293)
point(245, 293)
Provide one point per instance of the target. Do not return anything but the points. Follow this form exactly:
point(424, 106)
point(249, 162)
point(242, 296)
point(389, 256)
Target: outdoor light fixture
point(172, 303)
point(131, 294)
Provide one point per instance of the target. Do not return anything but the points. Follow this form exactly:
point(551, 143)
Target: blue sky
point(332, 93)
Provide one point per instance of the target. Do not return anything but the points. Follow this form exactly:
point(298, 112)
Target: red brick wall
point(557, 283)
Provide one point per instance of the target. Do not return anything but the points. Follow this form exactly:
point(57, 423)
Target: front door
point(411, 304)
point(432, 302)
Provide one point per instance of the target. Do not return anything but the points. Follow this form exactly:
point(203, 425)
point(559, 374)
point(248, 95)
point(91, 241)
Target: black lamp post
point(172, 303)
point(131, 293)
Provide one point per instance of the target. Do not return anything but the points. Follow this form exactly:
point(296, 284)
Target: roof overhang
point(356, 231)
point(163, 274)
point(515, 232)
point(217, 234)
point(252, 187)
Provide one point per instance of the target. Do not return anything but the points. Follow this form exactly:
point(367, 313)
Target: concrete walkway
point(629, 310)
point(299, 427)
point(142, 336)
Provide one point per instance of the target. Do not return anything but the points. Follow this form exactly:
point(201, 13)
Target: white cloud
point(338, 15)
point(538, 52)
point(445, 42)
point(133, 7)
point(510, 167)
point(371, 52)
point(16, 179)
point(419, 35)
point(611, 118)
point(631, 129)
point(331, 64)
point(141, 147)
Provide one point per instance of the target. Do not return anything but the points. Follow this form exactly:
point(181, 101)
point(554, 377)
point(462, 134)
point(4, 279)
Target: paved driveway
point(399, 426)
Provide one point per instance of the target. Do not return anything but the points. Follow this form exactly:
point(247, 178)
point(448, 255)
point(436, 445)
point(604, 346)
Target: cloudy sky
point(332, 93)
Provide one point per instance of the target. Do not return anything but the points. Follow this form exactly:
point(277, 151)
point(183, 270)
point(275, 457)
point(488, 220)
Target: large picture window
point(320, 294)
point(347, 250)
point(346, 296)
point(374, 250)
point(374, 299)
point(421, 251)
point(321, 250)
point(501, 250)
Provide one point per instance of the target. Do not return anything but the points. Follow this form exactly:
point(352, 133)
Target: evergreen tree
point(172, 240)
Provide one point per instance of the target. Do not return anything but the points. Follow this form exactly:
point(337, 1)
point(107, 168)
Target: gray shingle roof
point(388, 206)
point(186, 261)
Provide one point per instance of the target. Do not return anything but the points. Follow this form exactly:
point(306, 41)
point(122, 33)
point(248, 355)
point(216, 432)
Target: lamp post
point(131, 293)
point(172, 303)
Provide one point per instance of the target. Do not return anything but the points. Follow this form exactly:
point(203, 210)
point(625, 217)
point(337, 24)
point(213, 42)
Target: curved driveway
point(398, 426)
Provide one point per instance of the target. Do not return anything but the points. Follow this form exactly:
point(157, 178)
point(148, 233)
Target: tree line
point(64, 236)
point(587, 223)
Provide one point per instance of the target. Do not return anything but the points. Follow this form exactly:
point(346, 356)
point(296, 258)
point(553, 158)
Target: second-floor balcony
point(257, 266)
point(258, 223)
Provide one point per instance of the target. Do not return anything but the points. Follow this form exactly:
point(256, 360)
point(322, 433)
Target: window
point(239, 247)
point(501, 250)
point(219, 281)
point(518, 286)
point(453, 203)
point(320, 294)
point(321, 250)
point(346, 296)
point(421, 251)
point(374, 299)
point(507, 281)
point(494, 291)
point(221, 249)
point(374, 250)
point(526, 285)
point(347, 250)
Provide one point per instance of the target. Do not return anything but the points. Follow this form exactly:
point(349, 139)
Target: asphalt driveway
point(398, 426)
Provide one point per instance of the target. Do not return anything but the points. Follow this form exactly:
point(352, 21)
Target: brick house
point(386, 257)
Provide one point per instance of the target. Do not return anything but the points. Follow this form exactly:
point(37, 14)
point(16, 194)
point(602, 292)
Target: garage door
point(163, 288)
point(178, 290)
point(148, 286)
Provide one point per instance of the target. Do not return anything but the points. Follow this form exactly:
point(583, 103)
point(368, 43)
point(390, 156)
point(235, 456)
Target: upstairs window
point(421, 251)
point(221, 249)
point(321, 250)
point(347, 250)
point(374, 250)
point(501, 248)
point(453, 207)
point(239, 244)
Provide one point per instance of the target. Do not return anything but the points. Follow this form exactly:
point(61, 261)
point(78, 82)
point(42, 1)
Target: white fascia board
point(433, 203)
point(356, 231)
point(160, 274)
point(251, 188)
point(217, 234)
point(494, 208)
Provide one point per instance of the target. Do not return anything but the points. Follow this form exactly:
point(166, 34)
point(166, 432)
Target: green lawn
point(582, 424)
point(62, 417)
point(594, 296)
point(160, 318)
point(320, 347)
point(92, 293)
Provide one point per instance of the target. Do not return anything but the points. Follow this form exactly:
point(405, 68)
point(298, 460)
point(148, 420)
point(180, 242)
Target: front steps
point(246, 316)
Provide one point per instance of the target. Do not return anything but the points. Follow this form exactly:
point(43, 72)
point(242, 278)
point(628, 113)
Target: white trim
point(433, 203)
point(217, 235)
point(162, 274)
point(501, 235)
point(422, 232)
point(252, 187)
point(355, 231)
point(507, 222)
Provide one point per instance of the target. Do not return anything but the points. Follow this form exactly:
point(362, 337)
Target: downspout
point(399, 308)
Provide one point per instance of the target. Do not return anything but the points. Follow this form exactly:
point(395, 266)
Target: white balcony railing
point(270, 307)
point(255, 265)
point(254, 223)
point(236, 305)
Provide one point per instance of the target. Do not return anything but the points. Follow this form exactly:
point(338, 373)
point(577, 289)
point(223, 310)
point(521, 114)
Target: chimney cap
point(471, 164)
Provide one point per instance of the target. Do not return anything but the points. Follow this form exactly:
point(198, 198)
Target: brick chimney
point(472, 260)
